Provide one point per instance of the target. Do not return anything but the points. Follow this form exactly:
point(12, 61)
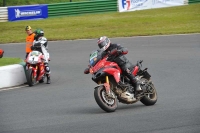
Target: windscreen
point(95, 56)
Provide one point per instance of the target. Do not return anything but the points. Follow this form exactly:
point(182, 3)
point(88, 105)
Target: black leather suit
point(122, 61)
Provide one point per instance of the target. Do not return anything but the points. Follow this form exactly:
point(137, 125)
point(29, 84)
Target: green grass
point(173, 20)
point(9, 61)
point(31, 2)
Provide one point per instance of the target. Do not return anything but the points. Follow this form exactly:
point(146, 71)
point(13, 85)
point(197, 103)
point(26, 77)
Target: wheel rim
point(109, 101)
point(33, 79)
point(153, 95)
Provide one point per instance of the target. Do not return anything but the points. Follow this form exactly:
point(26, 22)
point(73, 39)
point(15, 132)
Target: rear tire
point(104, 102)
point(30, 78)
point(150, 99)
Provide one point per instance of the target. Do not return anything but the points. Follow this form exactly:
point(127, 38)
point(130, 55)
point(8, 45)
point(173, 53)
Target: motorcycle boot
point(48, 79)
point(135, 83)
point(47, 69)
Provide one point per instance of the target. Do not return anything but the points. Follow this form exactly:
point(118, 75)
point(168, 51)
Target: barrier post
point(4, 2)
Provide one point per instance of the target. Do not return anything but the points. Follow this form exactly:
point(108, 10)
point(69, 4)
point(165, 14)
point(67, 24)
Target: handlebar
point(139, 63)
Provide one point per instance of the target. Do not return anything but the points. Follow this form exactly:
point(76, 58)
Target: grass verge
point(9, 61)
point(172, 20)
point(32, 2)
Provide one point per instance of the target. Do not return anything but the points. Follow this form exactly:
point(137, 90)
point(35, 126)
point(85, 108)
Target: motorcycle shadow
point(97, 110)
point(136, 106)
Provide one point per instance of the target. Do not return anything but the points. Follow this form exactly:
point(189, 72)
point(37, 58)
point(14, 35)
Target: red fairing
point(37, 69)
point(42, 71)
point(99, 65)
point(135, 71)
point(40, 58)
point(34, 72)
point(113, 71)
point(108, 68)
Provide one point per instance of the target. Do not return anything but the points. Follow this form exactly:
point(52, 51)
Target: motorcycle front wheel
point(105, 102)
point(30, 77)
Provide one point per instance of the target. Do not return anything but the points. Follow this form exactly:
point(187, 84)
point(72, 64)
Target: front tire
point(30, 77)
point(106, 103)
point(150, 99)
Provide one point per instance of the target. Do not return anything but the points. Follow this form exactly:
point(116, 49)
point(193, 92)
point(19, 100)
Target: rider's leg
point(47, 68)
point(134, 82)
point(127, 69)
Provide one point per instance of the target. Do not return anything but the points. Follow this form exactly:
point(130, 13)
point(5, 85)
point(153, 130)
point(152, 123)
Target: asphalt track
point(68, 106)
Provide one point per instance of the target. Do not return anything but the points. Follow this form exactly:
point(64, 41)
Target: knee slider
point(47, 69)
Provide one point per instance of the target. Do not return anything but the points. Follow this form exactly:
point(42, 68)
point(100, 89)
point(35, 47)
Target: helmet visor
point(102, 44)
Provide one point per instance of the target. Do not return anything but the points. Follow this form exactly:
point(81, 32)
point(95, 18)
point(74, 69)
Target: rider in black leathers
point(107, 47)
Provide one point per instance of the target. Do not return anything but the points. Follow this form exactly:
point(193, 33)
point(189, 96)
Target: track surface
point(68, 106)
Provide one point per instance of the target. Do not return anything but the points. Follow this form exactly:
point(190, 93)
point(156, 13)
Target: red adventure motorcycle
point(107, 74)
point(35, 68)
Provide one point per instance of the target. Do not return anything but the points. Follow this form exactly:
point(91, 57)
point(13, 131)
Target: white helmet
point(103, 43)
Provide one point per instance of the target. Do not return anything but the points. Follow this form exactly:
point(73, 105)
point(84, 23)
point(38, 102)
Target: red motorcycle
point(1, 53)
point(108, 74)
point(35, 68)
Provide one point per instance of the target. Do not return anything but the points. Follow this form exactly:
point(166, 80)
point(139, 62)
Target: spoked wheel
point(151, 97)
point(30, 78)
point(105, 102)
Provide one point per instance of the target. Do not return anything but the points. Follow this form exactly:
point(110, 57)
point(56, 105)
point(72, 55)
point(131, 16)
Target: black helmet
point(38, 33)
point(27, 28)
point(103, 42)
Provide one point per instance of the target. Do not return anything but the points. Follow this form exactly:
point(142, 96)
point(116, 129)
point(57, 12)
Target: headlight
point(32, 62)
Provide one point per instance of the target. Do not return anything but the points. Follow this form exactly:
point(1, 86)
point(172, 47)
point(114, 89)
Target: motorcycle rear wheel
point(104, 102)
point(150, 99)
point(30, 77)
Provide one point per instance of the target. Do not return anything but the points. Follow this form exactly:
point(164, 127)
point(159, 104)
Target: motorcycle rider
point(106, 46)
point(40, 44)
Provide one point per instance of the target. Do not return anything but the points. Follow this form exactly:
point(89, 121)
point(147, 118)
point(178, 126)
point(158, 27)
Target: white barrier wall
point(133, 5)
point(12, 75)
point(3, 14)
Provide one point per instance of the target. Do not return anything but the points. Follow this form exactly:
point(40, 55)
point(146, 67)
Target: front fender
point(105, 85)
point(34, 70)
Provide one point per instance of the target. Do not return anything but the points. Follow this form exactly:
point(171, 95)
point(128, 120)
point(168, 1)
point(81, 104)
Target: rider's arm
point(43, 41)
point(121, 50)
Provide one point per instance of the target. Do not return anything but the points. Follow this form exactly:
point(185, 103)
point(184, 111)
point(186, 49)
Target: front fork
point(34, 70)
point(107, 87)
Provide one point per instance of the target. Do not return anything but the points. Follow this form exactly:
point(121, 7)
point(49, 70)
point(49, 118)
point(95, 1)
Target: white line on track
point(12, 88)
